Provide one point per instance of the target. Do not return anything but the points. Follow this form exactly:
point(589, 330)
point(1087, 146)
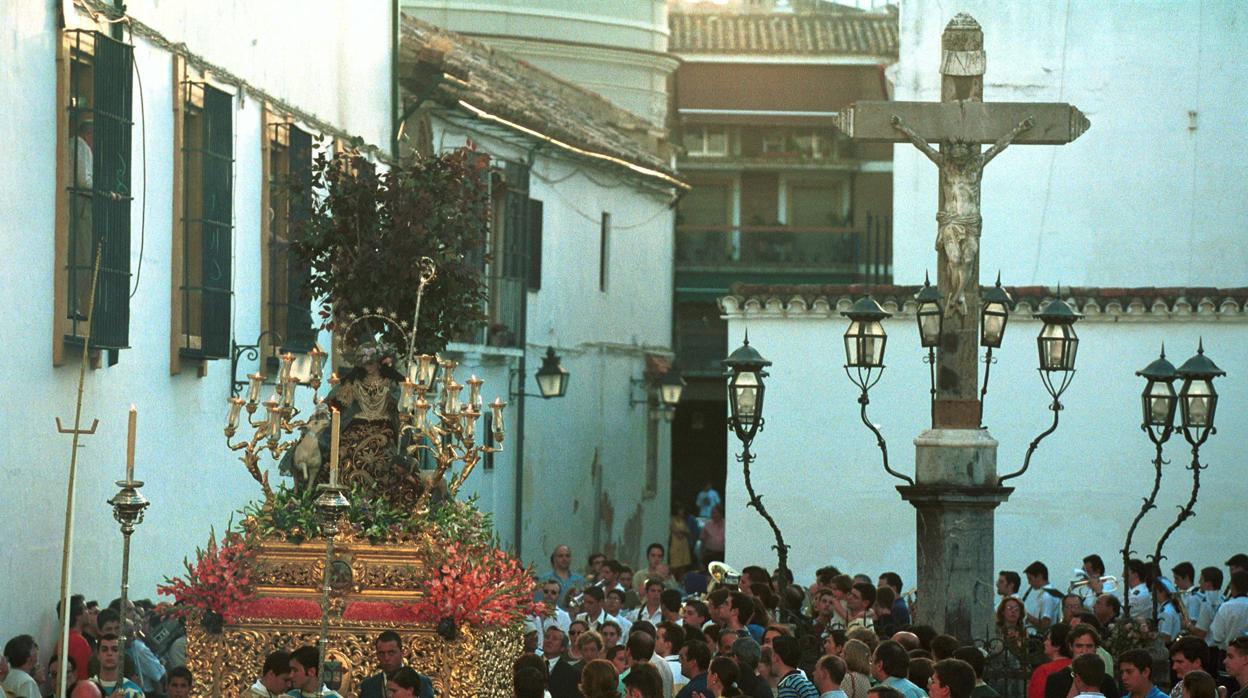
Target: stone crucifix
point(950, 133)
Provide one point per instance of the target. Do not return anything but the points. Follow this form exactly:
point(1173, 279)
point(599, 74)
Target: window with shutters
point(203, 221)
point(286, 312)
point(94, 78)
point(508, 270)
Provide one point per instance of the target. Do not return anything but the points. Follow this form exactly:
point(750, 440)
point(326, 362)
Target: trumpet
point(1109, 583)
point(722, 574)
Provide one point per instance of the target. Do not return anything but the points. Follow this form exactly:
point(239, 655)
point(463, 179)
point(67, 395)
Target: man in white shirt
point(669, 637)
point(652, 610)
point(1041, 601)
point(1211, 600)
point(1008, 583)
point(23, 655)
point(1232, 618)
point(554, 616)
point(612, 601)
point(593, 615)
point(1139, 575)
point(828, 675)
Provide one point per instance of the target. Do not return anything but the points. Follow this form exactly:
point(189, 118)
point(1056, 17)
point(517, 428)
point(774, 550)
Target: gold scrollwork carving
point(477, 664)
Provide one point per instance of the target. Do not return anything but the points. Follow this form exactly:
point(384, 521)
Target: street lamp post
point(1159, 403)
point(1057, 345)
point(865, 340)
point(1198, 401)
point(745, 373)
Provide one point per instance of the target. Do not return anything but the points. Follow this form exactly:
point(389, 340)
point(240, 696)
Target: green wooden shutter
point(217, 163)
point(110, 201)
point(534, 251)
point(300, 333)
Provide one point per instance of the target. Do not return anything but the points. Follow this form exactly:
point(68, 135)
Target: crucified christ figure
point(961, 169)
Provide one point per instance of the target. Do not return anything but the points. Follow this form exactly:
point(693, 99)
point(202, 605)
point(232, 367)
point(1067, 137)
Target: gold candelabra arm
point(252, 461)
point(470, 458)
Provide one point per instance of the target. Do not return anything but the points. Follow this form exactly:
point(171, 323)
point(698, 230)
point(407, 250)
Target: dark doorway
point(699, 445)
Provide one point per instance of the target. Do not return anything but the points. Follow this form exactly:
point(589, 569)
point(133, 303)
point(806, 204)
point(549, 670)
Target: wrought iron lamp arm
point(1148, 505)
point(1056, 407)
point(782, 549)
point(863, 400)
point(1185, 511)
point(988, 360)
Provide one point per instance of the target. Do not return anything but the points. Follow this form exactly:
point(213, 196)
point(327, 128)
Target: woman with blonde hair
point(599, 679)
point(857, 656)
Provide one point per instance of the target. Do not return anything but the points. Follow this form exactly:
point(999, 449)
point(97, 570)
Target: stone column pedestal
point(954, 495)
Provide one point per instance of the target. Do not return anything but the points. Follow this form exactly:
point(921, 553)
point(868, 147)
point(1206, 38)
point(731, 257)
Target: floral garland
point(476, 586)
point(219, 582)
point(1126, 635)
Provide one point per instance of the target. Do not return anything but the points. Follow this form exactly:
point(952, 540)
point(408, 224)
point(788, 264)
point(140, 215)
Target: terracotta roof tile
point(850, 32)
point(504, 86)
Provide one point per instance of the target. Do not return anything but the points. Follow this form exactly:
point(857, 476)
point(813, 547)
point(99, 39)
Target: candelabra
point(453, 437)
point(330, 506)
point(432, 417)
point(128, 505)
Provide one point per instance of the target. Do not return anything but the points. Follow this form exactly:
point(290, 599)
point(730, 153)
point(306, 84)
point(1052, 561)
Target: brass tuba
point(723, 575)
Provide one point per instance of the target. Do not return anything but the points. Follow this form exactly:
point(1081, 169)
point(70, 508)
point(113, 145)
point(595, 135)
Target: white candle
point(333, 448)
point(134, 416)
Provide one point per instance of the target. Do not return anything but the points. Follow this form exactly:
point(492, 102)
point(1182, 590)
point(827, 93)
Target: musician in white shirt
point(1232, 618)
point(1139, 577)
point(1041, 601)
point(1211, 600)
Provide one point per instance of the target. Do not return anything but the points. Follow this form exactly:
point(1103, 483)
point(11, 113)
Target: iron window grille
point(99, 191)
point(207, 222)
point(290, 304)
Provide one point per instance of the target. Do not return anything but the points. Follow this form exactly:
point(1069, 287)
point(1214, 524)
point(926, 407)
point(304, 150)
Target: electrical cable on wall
point(1048, 182)
point(138, 273)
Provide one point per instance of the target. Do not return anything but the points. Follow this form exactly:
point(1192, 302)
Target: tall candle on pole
point(128, 506)
point(134, 418)
point(333, 447)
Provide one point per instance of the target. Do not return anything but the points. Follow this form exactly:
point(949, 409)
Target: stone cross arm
point(967, 121)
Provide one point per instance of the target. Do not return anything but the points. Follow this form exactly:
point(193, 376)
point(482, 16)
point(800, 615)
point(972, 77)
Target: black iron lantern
point(1057, 342)
point(994, 315)
point(865, 339)
point(1197, 398)
point(929, 314)
point(671, 385)
point(1159, 399)
point(552, 377)
point(745, 390)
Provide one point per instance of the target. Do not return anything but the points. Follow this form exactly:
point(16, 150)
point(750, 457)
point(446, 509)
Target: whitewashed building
point(188, 112)
point(1143, 215)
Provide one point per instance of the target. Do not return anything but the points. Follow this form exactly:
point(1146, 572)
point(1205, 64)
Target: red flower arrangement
point(219, 582)
point(477, 586)
point(275, 607)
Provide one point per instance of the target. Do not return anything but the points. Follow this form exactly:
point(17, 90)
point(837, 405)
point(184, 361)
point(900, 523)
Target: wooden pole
point(67, 544)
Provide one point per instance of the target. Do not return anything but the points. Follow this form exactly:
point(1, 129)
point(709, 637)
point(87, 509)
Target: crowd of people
point(612, 631)
point(151, 663)
point(659, 631)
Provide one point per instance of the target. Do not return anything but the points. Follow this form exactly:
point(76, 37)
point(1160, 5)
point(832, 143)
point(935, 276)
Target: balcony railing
point(781, 248)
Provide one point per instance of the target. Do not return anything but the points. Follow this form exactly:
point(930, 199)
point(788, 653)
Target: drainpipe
point(394, 79)
point(523, 374)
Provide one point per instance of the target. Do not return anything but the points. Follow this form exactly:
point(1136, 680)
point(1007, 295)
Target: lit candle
point(405, 395)
point(287, 359)
point(253, 391)
point(496, 408)
point(470, 423)
point(333, 447)
point(134, 417)
point(318, 358)
point(288, 392)
point(421, 411)
point(236, 404)
point(333, 379)
point(474, 392)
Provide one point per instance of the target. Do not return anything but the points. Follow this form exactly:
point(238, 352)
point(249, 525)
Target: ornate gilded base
point(477, 664)
point(371, 586)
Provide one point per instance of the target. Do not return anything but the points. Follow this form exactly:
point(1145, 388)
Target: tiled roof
point(851, 32)
point(1096, 303)
point(503, 86)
